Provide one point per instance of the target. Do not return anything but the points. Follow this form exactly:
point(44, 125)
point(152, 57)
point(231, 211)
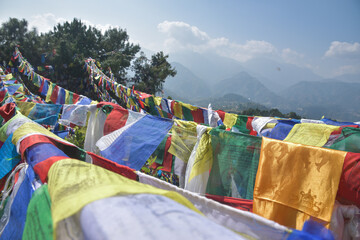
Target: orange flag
point(295, 182)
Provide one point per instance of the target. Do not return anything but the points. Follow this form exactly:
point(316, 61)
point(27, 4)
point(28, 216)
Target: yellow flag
point(204, 156)
point(160, 111)
point(157, 101)
point(3, 129)
point(8, 76)
point(67, 97)
point(295, 182)
point(189, 106)
point(312, 134)
point(118, 90)
point(32, 128)
point(128, 105)
point(25, 107)
point(183, 139)
point(270, 125)
point(186, 124)
point(132, 103)
point(20, 89)
point(73, 184)
point(230, 120)
point(178, 110)
point(49, 92)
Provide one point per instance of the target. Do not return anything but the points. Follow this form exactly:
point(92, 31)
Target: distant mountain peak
point(186, 84)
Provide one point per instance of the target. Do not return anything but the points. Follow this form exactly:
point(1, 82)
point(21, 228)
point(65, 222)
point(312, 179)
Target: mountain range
point(261, 83)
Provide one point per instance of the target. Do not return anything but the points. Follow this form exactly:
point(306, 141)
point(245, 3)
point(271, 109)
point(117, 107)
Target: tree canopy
point(274, 112)
point(60, 53)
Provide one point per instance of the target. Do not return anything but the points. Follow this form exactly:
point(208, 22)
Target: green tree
point(117, 53)
point(274, 112)
point(15, 33)
point(293, 115)
point(150, 75)
point(66, 48)
point(69, 43)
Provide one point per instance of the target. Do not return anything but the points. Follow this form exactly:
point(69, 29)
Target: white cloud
point(183, 32)
point(182, 36)
point(249, 50)
point(100, 27)
point(291, 56)
point(347, 69)
point(340, 58)
point(343, 49)
point(46, 22)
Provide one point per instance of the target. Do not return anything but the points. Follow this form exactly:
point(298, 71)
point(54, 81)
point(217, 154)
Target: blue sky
point(321, 35)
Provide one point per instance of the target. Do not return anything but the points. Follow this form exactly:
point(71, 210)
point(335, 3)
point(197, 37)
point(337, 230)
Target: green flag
point(236, 159)
point(39, 224)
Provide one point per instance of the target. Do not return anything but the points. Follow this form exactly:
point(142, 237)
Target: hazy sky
point(322, 35)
